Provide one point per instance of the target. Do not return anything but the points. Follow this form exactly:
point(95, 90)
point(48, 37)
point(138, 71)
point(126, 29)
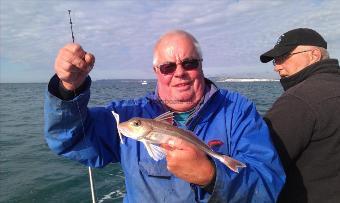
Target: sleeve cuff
point(56, 88)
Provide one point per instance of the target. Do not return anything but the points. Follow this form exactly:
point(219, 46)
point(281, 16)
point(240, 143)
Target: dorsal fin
point(166, 117)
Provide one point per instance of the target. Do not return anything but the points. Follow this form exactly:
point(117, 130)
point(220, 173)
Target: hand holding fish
point(72, 65)
point(185, 152)
point(188, 162)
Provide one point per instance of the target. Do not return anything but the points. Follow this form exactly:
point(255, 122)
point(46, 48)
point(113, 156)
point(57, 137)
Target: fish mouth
point(122, 131)
point(126, 133)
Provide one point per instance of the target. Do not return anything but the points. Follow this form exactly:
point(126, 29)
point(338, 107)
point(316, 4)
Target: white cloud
point(121, 34)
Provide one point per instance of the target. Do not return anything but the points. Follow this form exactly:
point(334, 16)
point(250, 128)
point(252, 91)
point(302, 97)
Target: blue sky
point(121, 34)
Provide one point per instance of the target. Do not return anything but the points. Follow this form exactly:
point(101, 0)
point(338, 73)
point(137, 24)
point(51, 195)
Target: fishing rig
point(93, 194)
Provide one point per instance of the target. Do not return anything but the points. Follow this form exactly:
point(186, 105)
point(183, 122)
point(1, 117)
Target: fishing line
point(93, 195)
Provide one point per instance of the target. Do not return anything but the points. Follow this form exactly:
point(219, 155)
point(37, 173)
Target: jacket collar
point(210, 90)
point(323, 66)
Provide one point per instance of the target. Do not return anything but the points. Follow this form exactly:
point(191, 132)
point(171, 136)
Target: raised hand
point(73, 65)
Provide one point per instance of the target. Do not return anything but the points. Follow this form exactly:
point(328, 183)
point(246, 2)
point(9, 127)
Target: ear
point(316, 55)
point(154, 69)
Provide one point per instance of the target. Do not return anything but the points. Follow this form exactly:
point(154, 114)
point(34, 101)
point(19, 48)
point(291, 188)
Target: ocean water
point(30, 172)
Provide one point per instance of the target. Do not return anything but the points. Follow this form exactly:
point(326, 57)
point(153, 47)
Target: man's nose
point(277, 67)
point(179, 70)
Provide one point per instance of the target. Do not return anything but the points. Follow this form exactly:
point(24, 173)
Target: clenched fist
point(73, 65)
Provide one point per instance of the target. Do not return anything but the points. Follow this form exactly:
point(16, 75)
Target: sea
point(30, 172)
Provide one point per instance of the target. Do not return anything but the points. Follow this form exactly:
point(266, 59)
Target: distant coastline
point(246, 80)
point(215, 79)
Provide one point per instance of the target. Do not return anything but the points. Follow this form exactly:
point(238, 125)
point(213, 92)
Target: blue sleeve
point(88, 135)
point(250, 143)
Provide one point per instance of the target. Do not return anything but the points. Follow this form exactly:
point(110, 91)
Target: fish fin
point(116, 115)
point(231, 163)
point(214, 143)
point(156, 152)
point(167, 117)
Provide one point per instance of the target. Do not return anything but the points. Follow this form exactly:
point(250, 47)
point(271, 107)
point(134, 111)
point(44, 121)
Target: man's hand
point(188, 162)
point(73, 65)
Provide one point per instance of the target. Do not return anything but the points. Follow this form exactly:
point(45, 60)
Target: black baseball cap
point(290, 40)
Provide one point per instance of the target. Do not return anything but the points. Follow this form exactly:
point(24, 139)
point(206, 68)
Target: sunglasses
point(187, 64)
point(283, 58)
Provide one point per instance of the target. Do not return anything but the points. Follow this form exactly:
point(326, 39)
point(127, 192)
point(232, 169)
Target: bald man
point(186, 174)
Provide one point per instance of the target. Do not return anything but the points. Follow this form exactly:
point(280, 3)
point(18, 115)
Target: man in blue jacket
point(89, 135)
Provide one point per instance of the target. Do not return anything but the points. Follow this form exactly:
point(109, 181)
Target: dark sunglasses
point(281, 59)
point(187, 64)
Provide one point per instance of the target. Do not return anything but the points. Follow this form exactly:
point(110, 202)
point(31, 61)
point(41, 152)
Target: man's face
point(294, 61)
point(182, 89)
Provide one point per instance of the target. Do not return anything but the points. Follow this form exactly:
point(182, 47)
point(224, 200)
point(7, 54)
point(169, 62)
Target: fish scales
point(166, 130)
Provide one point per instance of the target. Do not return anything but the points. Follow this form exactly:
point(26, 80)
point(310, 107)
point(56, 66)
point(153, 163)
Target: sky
point(121, 34)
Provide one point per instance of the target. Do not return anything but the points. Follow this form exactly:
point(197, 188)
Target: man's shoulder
point(316, 88)
point(232, 95)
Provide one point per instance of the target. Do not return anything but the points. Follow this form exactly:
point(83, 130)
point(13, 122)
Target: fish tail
point(231, 163)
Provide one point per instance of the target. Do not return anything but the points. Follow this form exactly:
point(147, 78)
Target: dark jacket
point(305, 124)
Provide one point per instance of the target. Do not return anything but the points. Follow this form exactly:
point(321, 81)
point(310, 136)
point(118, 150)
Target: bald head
point(172, 36)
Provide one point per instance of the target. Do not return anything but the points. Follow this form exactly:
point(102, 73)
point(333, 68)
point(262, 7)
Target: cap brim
point(275, 52)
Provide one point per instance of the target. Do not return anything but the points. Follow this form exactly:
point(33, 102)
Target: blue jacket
point(224, 116)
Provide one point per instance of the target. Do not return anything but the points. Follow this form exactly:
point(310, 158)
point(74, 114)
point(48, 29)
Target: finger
point(71, 81)
point(68, 67)
point(61, 64)
point(67, 70)
point(90, 60)
point(172, 143)
point(177, 143)
point(67, 76)
point(75, 49)
point(174, 158)
point(175, 154)
point(167, 147)
point(79, 63)
point(74, 60)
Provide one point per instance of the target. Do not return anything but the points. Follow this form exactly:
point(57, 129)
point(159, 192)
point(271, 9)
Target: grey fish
point(153, 132)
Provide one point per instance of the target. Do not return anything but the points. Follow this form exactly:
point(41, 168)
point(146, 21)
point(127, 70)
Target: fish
point(154, 132)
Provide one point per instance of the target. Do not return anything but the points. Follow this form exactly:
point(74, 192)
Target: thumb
point(90, 60)
point(175, 143)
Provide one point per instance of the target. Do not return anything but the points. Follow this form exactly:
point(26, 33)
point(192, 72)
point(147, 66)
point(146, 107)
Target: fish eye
point(136, 123)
